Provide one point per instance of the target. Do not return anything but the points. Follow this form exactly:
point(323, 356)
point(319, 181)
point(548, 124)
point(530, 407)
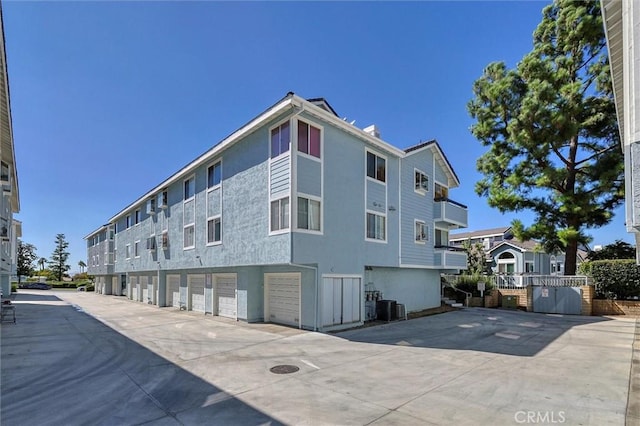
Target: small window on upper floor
point(376, 167)
point(421, 181)
point(189, 188)
point(422, 233)
point(214, 175)
point(4, 172)
point(280, 214)
point(440, 191)
point(376, 227)
point(137, 216)
point(280, 139)
point(128, 221)
point(308, 139)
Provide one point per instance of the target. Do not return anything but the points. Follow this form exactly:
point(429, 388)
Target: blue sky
point(110, 98)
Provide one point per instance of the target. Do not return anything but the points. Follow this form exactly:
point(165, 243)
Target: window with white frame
point(189, 236)
point(137, 216)
point(136, 249)
point(421, 182)
point(422, 232)
point(128, 221)
point(280, 139)
point(308, 139)
point(189, 188)
point(308, 214)
point(214, 175)
point(280, 214)
point(528, 267)
point(214, 230)
point(376, 167)
point(376, 227)
point(127, 251)
point(440, 191)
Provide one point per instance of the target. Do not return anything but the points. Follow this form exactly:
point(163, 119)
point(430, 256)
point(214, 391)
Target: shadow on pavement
point(61, 366)
point(475, 329)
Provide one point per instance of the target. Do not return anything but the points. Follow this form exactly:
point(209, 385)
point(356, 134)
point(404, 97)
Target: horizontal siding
point(440, 175)
point(280, 180)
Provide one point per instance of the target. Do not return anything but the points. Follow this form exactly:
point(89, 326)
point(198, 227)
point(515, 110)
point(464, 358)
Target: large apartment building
point(10, 228)
point(298, 218)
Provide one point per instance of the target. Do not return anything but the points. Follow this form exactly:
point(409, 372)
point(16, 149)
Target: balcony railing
point(448, 257)
point(450, 212)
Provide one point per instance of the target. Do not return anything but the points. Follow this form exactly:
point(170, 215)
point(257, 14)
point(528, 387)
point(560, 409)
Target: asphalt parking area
point(83, 358)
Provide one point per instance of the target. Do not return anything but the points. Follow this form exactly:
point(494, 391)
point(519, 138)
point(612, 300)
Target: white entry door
point(225, 294)
point(282, 298)
point(196, 290)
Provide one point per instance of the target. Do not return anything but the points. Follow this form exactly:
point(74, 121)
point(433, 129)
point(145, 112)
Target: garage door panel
point(144, 285)
point(173, 290)
point(133, 282)
point(283, 296)
point(226, 296)
point(196, 285)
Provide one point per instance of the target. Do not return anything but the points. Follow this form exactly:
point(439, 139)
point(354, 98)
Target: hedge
point(614, 279)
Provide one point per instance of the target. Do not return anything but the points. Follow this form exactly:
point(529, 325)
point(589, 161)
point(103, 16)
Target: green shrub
point(14, 287)
point(469, 284)
point(614, 279)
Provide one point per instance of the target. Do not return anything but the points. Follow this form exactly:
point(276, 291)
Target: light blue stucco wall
point(417, 289)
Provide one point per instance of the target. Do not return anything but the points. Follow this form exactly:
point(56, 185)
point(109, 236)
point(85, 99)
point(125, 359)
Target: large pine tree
point(550, 127)
point(58, 262)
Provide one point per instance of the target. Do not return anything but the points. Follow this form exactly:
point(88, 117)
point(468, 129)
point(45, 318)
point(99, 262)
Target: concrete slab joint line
point(633, 397)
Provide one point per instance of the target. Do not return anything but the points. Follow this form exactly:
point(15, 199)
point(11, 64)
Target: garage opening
point(226, 295)
point(196, 291)
point(173, 290)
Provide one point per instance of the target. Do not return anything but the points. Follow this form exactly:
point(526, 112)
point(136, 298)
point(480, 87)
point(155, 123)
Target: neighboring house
point(298, 218)
point(10, 229)
point(506, 255)
point(621, 21)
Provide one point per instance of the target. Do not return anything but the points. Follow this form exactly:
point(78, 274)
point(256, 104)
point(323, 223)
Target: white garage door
point(196, 290)
point(226, 295)
point(133, 283)
point(173, 290)
point(283, 298)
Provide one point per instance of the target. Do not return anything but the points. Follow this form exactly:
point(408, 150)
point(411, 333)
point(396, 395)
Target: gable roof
point(442, 159)
point(522, 246)
point(492, 232)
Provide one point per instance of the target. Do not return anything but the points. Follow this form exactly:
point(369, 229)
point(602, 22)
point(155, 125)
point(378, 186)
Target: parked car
point(37, 286)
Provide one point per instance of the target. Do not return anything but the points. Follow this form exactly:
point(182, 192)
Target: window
point(189, 236)
point(422, 233)
point(308, 139)
point(112, 232)
point(136, 249)
point(151, 243)
point(127, 251)
point(376, 168)
point(165, 240)
point(128, 221)
point(308, 214)
point(137, 216)
point(376, 227)
point(280, 214)
point(163, 200)
point(151, 205)
point(421, 181)
point(280, 138)
point(528, 267)
point(115, 255)
point(4, 172)
point(214, 231)
point(440, 191)
point(189, 188)
point(214, 175)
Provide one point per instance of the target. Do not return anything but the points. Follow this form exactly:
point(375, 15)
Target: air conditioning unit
point(151, 243)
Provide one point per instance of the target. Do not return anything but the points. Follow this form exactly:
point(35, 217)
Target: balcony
point(447, 257)
point(449, 213)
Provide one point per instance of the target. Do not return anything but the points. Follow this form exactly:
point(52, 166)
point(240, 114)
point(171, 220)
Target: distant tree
point(58, 262)
point(476, 258)
point(26, 254)
point(617, 250)
point(42, 261)
point(550, 126)
point(82, 265)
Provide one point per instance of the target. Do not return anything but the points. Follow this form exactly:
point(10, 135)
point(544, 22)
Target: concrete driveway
point(82, 358)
